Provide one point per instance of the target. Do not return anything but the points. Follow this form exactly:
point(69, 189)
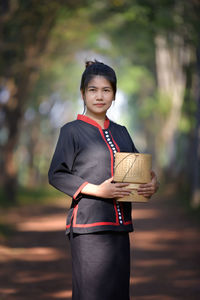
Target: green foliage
point(136, 80)
point(185, 125)
point(6, 230)
point(72, 31)
point(30, 196)
point(3, 200)
point(164, 104)
point(148, 108)
point(38, 195)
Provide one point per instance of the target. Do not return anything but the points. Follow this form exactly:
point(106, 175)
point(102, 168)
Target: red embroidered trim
point(112, 167)
point(79, 190)
point(92, 122)
point(91, 224)
point(106, 123)
point(95, 224)
point(111, 153)
point(74, 214)
point(116, 214)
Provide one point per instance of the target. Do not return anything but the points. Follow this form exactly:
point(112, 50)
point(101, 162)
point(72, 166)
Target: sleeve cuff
point(79, 190)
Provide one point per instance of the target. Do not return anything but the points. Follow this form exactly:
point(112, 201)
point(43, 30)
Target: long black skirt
point(100, 266)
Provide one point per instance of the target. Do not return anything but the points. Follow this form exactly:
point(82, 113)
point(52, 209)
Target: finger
point(146, 191)
point(121, 189)
point(146, 186)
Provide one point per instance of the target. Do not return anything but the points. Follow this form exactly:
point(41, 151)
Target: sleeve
point(134, 149)
point(60, 172)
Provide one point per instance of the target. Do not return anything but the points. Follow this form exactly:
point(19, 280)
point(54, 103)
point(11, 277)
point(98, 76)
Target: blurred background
point(154, 46)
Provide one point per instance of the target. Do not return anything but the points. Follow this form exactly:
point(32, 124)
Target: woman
point(82, 166)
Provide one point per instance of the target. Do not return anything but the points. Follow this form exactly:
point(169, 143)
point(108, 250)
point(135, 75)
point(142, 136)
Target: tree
point(162, 37)
point(25, 29)
point(196, 161)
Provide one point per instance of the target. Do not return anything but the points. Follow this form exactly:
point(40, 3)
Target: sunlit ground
point(35, 261)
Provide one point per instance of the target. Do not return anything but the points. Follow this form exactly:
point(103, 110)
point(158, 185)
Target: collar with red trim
point(93, 122)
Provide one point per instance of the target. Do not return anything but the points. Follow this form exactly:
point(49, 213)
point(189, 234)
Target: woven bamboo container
point(134, 168)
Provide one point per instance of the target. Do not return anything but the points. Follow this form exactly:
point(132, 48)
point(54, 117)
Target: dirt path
point(35, 262)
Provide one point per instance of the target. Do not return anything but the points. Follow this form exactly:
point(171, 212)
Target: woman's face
point(98, 96)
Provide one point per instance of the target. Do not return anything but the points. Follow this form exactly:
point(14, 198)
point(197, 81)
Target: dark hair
point(95, 68)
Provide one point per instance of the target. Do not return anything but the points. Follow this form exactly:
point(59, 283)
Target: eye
point(107, 90)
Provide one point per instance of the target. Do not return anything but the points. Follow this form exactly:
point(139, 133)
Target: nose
point(99, 95)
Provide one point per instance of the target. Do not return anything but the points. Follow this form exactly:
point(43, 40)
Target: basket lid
point(132, 167)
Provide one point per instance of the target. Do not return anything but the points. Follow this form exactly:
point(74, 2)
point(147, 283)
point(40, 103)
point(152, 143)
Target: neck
point(100, 119)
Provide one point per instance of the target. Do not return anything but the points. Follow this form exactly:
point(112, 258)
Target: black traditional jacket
point(85, 154)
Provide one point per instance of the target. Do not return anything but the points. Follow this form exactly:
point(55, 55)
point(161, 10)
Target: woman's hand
point(148, 189)
point(107, 189)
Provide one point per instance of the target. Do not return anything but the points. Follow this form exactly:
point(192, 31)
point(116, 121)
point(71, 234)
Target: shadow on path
point(165, 252)
point(35, 262)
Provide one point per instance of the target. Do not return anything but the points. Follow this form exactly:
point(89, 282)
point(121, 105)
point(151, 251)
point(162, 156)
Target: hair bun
point(89, 63)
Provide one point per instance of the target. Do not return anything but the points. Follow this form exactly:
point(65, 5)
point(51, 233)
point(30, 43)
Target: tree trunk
point(170, 59)
point(18, 80)
point(195, 201)
point(13, 112)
